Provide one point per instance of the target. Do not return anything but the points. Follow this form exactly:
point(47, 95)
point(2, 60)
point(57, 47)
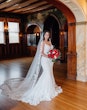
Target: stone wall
point(81, 46)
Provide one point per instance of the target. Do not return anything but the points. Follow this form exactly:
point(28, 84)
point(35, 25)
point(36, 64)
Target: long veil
point(16, 87)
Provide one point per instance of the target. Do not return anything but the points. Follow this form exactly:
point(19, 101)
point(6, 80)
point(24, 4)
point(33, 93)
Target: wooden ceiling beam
point(38, 9)
point(24, 6)
point(31, 7)
point(10, 3)
point(26, 3)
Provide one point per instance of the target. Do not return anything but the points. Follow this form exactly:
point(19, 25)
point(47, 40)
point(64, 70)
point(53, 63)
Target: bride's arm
point(42, 50)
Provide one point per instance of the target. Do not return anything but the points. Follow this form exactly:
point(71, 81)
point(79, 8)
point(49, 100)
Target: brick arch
point(71, 54)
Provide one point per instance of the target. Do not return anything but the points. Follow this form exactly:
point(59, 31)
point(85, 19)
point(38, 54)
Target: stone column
point(86, 54)
point(81, 48)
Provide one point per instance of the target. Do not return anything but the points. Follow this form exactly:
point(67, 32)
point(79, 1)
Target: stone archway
point(70, 9)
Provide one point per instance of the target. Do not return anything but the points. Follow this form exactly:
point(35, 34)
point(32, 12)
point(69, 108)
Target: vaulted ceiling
point(24, 6)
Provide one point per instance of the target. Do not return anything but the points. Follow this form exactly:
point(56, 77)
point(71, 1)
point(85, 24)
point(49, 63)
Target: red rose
point(54, 54)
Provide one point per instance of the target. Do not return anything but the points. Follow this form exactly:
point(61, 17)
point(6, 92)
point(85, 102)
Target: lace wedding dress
point(43, 88)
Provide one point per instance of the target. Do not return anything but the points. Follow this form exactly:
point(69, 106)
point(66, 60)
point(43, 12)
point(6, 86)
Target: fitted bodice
point(47, 48)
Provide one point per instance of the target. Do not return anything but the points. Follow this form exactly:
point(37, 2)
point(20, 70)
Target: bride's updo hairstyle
point(44, 34)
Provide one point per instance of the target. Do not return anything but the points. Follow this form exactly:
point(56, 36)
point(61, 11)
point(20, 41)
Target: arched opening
point(33, 35)
point(59, 39)
point(71, 52)
point(59, 36)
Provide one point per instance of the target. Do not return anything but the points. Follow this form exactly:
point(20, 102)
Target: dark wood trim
point(71, 65)
point(13, 20)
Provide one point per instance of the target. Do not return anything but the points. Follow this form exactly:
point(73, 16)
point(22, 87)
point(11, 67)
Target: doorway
point(59, 36)
point(71, 23)
point(53, 24)
point(33, 36)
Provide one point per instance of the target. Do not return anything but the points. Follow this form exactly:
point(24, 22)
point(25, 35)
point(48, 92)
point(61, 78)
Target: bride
point(39, 84)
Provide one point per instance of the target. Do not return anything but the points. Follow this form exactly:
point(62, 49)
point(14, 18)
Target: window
point(13, 37)
point(2, 39)
point(13, 29)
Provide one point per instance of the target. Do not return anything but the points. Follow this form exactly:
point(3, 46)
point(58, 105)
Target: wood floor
point(74, 96)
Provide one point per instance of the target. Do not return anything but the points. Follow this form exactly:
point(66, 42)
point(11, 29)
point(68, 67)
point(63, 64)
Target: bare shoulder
point(42, 42)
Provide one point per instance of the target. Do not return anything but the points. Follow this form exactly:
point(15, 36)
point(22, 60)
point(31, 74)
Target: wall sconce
point(20, 34)
point(37, 34)
point(61, 33)
point(6, 28)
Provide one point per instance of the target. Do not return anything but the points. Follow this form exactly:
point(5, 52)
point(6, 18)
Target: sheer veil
point(16, 87)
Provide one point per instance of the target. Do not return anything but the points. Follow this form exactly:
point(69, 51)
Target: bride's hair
point(44, 34)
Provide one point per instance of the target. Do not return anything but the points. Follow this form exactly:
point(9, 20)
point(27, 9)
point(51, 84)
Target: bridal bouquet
point(54, 54)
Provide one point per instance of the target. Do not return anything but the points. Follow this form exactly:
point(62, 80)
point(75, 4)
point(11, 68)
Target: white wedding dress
point(44, 89)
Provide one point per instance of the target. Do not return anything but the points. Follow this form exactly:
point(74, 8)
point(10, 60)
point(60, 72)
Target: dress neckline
point(48, 45)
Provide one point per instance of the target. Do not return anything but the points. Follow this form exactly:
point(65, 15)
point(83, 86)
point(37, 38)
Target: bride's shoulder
point(42, 42)
point(41, 46)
